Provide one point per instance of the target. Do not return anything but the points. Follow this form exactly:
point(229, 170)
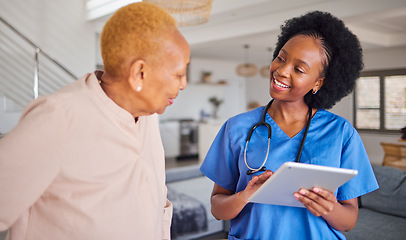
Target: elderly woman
point(87, 162)
point(316, 62)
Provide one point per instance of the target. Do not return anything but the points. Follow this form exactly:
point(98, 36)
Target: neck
point(288, 112)
point(116, 91)
point(290, 117)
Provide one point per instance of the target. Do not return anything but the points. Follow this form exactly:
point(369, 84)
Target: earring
point(138, 89)
point(314, 91)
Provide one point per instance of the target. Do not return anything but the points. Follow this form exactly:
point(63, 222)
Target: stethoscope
point(263, 123)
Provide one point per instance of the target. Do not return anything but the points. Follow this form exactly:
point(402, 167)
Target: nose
point(283, 70)
point(183, 83)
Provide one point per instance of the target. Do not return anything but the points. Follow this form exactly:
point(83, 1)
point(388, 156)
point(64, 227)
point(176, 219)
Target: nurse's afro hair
point(134, 31)
point(343, 55)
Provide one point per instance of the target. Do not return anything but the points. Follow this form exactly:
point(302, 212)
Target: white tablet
point(292, 176)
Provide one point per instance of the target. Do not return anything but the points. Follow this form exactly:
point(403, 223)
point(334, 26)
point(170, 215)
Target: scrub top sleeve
point(354, 156)
point(220, 164)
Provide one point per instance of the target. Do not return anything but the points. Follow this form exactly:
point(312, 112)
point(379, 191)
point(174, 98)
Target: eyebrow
point(299, 60)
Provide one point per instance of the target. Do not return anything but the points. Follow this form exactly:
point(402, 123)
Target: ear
point(319, 83)
point(136, 78)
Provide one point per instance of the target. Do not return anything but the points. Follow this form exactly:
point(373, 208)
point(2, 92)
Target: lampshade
point(186, 12)
point(265, 72)
point(247, 69)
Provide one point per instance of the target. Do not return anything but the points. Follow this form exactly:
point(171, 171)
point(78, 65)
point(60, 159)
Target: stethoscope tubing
point(269, 128)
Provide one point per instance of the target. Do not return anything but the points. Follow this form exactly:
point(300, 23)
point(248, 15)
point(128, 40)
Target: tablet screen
point(292, 176)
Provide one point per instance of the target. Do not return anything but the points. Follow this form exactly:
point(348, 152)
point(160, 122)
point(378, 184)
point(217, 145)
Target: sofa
point(382, 213)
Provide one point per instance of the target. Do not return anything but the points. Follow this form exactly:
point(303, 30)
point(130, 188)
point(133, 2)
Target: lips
point(280, 84)
point(171, 100)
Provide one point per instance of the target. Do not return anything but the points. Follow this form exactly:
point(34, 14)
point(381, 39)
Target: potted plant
point(216, 104)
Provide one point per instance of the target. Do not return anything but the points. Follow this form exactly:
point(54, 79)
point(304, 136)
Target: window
point(380, 101)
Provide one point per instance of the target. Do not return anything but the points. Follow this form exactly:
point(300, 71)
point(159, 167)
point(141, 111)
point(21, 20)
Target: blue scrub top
point(331, 141)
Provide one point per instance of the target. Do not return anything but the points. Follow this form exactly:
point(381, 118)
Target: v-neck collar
point(271, 121)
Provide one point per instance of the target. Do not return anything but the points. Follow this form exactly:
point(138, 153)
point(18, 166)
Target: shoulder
point(58, 105)
point(64, 94)
point(336, 125)
point(328, 118)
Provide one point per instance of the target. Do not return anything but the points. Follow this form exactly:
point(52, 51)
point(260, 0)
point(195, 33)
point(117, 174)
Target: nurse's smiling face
point(297, 69)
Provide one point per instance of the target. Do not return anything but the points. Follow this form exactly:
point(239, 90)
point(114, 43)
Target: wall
point(391, 58)
point(257, 89)
point(58, 27)
point(8, 119)
point(196, 96)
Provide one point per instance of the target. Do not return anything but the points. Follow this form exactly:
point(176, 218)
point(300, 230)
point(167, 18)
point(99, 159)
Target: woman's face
point(297, 69)
point(167, 75)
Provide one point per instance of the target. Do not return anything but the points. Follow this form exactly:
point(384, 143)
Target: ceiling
point(378, 24)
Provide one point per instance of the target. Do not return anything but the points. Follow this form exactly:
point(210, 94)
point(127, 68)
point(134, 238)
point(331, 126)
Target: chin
point(160, 111)
point(271, 93)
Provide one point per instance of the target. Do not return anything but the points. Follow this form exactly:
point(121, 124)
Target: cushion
point(373, 225)
point(189, 215)
point(391, 195)
point(3, 235)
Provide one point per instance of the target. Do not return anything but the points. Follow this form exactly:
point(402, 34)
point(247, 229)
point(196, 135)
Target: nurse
point(316, 62)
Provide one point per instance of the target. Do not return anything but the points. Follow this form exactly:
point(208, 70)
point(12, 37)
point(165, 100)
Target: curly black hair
point(343, 55)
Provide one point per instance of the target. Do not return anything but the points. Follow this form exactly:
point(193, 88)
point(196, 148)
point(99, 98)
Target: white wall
point(392, 58)
point(59, 28)
point(257, 89)
point(56, 26)
point(196, 96)
point(8, 119)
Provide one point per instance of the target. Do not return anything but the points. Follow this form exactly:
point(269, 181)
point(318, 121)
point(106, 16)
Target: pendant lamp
point(186, 12)
point(247, 69)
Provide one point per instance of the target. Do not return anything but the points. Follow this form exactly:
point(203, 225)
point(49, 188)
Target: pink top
point(77, 166)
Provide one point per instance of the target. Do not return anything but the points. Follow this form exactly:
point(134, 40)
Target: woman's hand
point(319, 201)
point(226, 204)
point(341, 215)
point(254, 184)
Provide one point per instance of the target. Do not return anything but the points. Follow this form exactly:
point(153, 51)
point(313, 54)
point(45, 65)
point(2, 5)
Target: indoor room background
point(64, 30)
